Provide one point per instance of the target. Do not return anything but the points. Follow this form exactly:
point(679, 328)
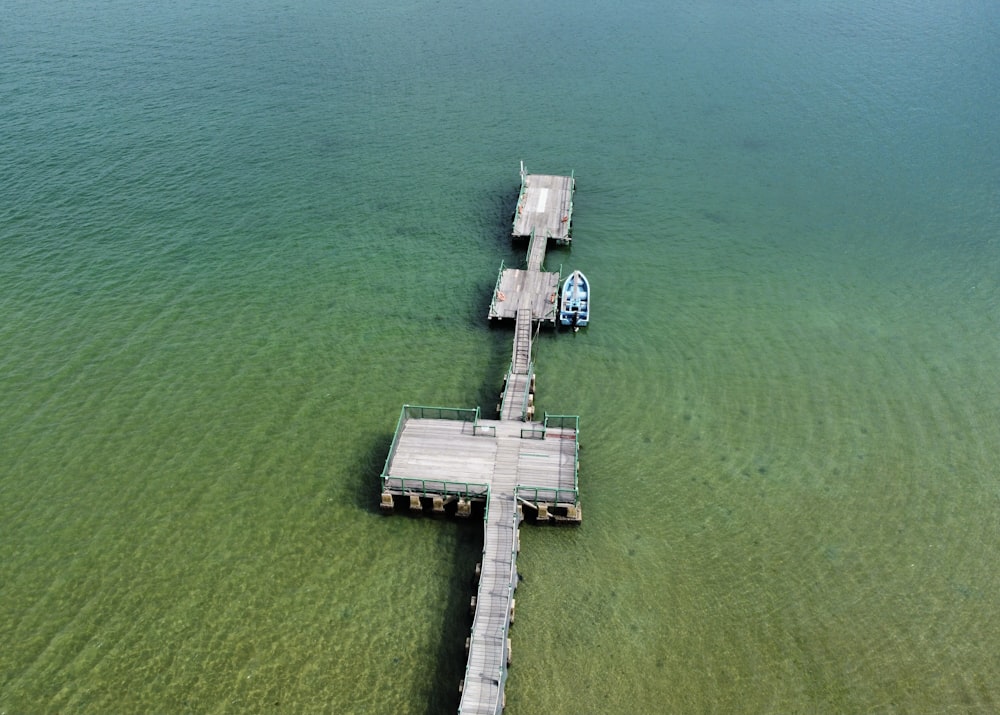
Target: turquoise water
point(234, 239)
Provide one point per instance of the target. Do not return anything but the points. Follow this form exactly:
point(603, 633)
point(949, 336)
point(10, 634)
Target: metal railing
point(394, 445)
point(533, 432)
point(520, 197)
point(421, 412)
point(436, 487)
point(563, 421)
point(568, 422)
point(551, 495)
point(487, 430)
point(496, 291)
point(410, 412)
point(531, 249)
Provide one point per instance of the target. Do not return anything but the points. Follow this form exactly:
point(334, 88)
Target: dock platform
point(544, 207)
point(452, 454)
point(516, 288)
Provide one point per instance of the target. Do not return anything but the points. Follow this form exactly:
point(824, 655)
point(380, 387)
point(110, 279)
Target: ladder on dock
point(521, 359)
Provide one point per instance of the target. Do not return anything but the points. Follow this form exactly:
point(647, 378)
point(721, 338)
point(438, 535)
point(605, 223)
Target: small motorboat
point(574, 309)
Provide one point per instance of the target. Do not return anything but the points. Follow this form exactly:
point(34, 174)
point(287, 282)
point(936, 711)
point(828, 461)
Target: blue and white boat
point(574, 308)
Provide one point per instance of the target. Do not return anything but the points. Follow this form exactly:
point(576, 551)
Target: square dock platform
point(517, 288)
point(460, 455)
point(544, 207)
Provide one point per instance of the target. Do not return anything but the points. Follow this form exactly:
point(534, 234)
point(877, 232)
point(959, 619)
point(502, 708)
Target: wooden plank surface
point(445, 452)
point(519, 288)
point(544, 202)
point(536, 252)
point(486, 669)
point(515, 396)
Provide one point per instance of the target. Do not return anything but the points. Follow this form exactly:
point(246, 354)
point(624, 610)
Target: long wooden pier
point(444, 459)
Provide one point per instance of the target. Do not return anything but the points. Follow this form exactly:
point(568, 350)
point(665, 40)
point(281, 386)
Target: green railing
point(461, 414)
point(437, 487)
point(563, 422)
point(518, 206)
point(488, 430)
point(569, 209)
point(533, 432)
point(496, 290)
point(395, 444)
point(531, 494)
point(410, 412)
point(506, 387)
point(568, 422)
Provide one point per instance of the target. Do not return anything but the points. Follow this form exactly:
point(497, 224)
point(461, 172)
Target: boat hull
point(574, 306)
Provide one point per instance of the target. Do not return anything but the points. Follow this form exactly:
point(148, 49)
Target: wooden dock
point(518, 289)
point(453, 454)
point(444, 459)
point(544, 207)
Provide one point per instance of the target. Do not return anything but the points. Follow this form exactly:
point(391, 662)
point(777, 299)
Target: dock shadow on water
point(456, 619)
point(459, 543)
point(487, 397)
point(366, 492)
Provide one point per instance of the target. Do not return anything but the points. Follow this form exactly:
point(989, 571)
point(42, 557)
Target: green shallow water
point(235, 240)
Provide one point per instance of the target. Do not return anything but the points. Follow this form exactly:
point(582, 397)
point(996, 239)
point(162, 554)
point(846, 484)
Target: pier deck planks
point(544, 203)
point(446, 451)
point(536, 290)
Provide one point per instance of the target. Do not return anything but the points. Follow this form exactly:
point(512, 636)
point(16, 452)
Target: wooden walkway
point(536, 252)
point(489, 644)
point(445, 458)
